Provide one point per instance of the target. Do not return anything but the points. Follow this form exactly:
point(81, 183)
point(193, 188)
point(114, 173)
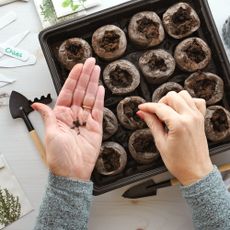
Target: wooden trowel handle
point(223, 168)
point(38, 144)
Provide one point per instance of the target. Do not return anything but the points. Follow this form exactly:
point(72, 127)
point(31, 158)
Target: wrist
point(195, 175)
point(82, 175)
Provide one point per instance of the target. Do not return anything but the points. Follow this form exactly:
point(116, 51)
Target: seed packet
point(52, 12)
point(66, 7)
point(13, 201)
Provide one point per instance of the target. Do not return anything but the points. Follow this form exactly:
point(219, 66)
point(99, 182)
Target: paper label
point(12, 62)
point(7, 19)
point(14, 52)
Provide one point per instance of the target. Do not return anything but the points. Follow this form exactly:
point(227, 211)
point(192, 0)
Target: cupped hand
point(183, 144)
point(74, 127)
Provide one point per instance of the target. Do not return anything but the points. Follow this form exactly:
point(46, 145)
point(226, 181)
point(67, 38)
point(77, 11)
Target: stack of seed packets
point(53, 11)
point(13, 201)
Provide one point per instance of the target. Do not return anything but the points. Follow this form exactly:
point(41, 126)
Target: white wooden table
point(166, 211)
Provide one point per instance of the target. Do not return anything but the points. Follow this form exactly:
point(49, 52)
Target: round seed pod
point(110, 124)
point(181, 20)
point(192, 54)
point(74, 51)
point(146, 29)
point(142, 146)
point(121, 77)
point(208, 86)
point(126, 112)
point(112, 159)
point(109, 42)
point(157, 65)
point(164, 89)
point(217, 123)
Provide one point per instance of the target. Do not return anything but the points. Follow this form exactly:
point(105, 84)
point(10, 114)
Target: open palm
point(74, 126)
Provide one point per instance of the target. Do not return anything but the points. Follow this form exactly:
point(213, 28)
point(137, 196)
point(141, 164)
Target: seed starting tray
point(120, 16)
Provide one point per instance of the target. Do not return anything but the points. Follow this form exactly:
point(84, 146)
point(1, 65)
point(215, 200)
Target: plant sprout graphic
point(47, 10)
point(74, 6)
point(10, 208)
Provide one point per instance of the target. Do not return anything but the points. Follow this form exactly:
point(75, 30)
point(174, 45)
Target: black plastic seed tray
point(52, 37)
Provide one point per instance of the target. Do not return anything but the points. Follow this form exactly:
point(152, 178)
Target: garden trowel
point(150, 188)
point(20, 107)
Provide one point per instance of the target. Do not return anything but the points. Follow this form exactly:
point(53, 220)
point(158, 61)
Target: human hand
point(74, 126)
point(183, 146)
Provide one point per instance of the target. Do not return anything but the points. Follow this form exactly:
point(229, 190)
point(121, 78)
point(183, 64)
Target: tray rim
point(206, 11)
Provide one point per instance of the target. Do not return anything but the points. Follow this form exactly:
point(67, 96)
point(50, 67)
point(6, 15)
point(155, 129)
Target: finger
point(66, 95)
point(47, 115)
point(201, 105)
point(165, 113)
point(83, 81)
point(155, 126)
point(91, 91)
point(176, 102)
point(97, 112)
point(189, 100)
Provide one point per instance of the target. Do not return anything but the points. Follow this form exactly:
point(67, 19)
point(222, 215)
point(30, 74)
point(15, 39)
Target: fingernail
point(34, 106)
point(139, 114)
point(140, 106)
point(93, 59)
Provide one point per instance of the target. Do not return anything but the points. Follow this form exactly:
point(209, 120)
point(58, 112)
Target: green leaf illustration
point(10, 207)
point(47, 10)
point(66, 3)
point(70, 3)
point(74, 7)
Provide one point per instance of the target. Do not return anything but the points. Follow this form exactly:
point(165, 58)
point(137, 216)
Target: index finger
point(66, 95)
point(164, 112)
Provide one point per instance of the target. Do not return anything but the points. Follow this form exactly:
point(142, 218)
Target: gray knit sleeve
point(65, 205)
point(210, 202)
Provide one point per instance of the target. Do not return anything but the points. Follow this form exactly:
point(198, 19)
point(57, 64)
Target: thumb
point(46, 113)
point(155, 126)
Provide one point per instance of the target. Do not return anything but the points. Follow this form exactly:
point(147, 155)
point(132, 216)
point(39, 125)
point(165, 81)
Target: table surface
point(167, 210)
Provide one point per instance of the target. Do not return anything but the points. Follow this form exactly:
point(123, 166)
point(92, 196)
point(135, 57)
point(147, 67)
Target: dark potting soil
point(219, 121)
point(110, 41)
point(130, 110)
point(111, 159)
point(75, 51)
point(148, 27)
point(144, 143)
point(120, 77)
point(156, 63)
point(195, 52)
point(204, 88)
point(183, 22)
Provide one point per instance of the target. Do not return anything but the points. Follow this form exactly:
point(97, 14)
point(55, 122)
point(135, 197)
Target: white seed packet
point(66, 7)
point(13, 201)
